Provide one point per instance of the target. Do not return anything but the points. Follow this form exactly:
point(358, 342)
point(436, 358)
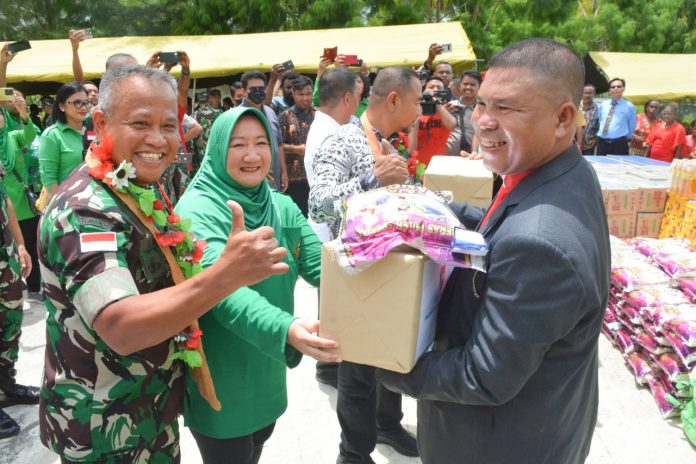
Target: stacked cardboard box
point(635, 192)
point(680, 218)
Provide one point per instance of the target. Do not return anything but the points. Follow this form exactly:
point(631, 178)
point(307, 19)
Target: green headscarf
point(205, 199)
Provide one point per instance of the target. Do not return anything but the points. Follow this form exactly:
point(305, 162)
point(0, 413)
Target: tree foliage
point(659, 26)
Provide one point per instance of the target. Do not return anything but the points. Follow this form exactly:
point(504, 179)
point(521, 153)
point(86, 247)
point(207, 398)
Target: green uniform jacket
point(60, 152)
point(245, 335)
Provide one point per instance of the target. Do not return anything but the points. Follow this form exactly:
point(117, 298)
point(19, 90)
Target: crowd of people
point(162, 227)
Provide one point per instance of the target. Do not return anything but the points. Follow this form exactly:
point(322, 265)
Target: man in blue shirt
point(617, 121)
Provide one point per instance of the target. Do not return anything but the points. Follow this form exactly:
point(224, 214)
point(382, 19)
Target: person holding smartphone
point(429, 136)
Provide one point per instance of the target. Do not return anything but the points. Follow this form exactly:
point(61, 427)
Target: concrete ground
point(629, 429)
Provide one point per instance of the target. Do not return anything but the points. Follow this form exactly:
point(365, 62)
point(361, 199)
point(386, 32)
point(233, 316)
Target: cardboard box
point(620, 198)
point(648, 224)
point(468, 180)
point(622, 225)
point(386, 315)
point(673, 222)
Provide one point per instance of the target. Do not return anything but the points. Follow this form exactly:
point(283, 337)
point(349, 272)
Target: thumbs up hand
point(250, 257)
point(389, 168)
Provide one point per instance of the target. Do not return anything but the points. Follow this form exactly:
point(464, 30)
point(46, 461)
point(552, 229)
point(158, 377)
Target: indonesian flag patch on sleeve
point(98, 241)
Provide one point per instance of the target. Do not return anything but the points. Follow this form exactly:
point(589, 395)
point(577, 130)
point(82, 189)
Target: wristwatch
point(185, 72)
point(369, 181)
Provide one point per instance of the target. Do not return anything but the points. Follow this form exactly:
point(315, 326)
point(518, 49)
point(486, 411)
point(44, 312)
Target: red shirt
point(509, 183)
point(664, 141)
point(432, 138)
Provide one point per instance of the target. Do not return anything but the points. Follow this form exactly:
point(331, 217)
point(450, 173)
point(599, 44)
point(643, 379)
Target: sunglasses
point(78, 104)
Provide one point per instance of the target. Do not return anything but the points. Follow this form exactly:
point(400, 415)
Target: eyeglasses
point(79, 104)
point(616, 86)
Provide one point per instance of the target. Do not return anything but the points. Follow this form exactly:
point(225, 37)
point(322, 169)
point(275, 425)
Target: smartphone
point(16, 47)
point(169, 57)
point(88, 33)
point(330, 54)
point(352, 60)
point(288, 65)
point(6, 94)
point(447, 48)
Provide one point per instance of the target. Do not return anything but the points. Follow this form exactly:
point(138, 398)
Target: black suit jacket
point(513, 377)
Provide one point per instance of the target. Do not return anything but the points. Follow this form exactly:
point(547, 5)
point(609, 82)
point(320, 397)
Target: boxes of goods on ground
point(468, 180)
point(651, 319)
point(384, 316)
point(635, 193)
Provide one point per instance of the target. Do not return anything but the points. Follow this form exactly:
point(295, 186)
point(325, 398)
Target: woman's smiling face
point(249, 152)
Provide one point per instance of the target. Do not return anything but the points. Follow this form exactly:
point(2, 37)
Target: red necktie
point(509, 183)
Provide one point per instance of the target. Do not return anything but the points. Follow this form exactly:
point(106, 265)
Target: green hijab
point(205, 199)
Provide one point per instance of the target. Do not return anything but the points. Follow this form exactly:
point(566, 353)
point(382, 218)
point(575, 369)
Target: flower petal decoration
point(119, 176)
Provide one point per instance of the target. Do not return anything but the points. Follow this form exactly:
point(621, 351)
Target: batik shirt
point(589, 130)
point(96, 404)
point(341, 163)
point(294, 127)
point(206, 116)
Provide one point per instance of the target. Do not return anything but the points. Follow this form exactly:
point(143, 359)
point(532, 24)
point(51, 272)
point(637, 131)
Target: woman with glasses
point(61, 148)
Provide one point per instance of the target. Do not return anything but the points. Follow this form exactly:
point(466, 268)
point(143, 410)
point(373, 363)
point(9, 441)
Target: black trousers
point(299, 192)
point(612, 146)
point(359, 415)
point(240, 450)
point(29, 228)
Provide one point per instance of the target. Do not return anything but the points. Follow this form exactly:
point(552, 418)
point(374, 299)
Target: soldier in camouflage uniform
point(15, 263)
point(110, 394)
point(205, 115)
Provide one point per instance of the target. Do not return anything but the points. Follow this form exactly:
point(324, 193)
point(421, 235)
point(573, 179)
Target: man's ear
point(392, 97)
point(567, 118)
point(100, 121)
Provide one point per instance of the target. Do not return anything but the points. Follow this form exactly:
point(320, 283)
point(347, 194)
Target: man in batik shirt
point(294, 126)
point(110, 392)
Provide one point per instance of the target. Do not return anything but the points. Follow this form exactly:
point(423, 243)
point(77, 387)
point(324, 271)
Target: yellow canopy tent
point(48, 63)
point(649, 75)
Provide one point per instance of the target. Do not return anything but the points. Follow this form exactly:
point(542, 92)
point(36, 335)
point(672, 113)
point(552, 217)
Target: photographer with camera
point(430, 136)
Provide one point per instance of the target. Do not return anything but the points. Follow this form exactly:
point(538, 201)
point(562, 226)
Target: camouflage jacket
point(205, 115)
point(96, 404)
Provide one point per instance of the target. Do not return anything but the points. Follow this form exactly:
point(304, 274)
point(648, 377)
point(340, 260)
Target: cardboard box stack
point(651, 317)
point(635, 192)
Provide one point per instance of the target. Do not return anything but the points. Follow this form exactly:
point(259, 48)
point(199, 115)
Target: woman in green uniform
point(251, 336)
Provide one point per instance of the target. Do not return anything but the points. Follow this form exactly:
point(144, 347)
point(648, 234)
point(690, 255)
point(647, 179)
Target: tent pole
point(193, 100)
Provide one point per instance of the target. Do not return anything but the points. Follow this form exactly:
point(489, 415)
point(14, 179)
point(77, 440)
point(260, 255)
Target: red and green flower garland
point(173, 231)
point(416, 169)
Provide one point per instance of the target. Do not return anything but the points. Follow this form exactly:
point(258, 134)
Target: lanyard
point(370, 133)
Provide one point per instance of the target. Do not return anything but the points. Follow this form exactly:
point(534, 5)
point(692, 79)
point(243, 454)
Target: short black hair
point(300, 82)
point(227, 100)
point(252, 75)
point(590, 85)
point(291, 75)
point(693, 124)
point(623, 82)
point(435, 78)
point(645, 107)
point(236, 85)
point(546, 59)
point(64, 92)
point(334, 84)
point(214, 93)
point(394, 79)
point(472, 74)
point(442, 62)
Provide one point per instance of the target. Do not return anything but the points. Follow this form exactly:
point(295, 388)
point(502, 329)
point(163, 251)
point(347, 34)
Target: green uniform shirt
point(245, 339)
point(20, 141)
point(96, 404)
point(60, 152)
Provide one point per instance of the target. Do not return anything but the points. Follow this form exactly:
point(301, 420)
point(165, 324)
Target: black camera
point(441, 96)
point(427, 105)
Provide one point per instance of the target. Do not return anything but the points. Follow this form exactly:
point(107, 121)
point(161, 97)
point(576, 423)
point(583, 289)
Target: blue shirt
point(622, 124)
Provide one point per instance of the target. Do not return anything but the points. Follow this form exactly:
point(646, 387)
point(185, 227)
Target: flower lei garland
point(173, 232)
point(416, 169)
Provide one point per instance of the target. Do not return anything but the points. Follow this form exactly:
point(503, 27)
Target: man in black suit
point(513, 374)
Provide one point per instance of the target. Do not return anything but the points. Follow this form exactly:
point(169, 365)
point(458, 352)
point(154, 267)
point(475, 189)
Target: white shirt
point(322, 127)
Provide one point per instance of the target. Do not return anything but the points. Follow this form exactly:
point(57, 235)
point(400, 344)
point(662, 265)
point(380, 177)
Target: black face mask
point(257, 96)
point(238, 102)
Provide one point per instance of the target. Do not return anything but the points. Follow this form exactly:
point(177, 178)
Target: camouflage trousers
point(11, 307)
point(163, 449)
